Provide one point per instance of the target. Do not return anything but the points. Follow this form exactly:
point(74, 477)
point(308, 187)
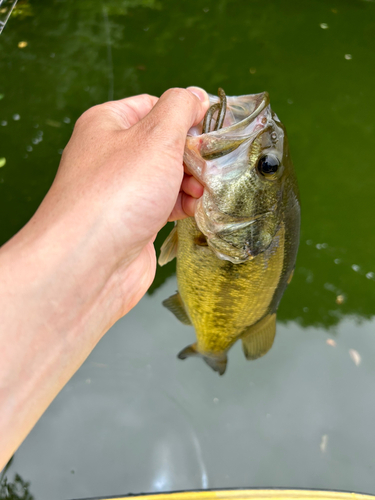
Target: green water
point(315, 58)
point(81, 53)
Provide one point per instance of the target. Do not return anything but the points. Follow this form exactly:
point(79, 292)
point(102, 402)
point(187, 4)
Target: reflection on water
point(136, 419)
point(302, 415)
point(18, 489)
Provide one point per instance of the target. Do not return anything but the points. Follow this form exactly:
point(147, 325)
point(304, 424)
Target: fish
point(237, 255)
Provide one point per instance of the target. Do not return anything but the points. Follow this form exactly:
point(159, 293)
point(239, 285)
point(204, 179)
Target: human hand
point(87, 256)
point(122, 173)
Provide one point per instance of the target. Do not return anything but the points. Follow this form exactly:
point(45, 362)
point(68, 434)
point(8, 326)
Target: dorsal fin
point(176, 306)
point(168, 250)
point(258, 339)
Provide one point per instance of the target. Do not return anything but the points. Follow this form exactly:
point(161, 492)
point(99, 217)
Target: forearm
point(58, 299)
point(86, 257)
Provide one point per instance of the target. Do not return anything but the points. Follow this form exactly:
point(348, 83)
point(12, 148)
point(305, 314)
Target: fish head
point(248, 177)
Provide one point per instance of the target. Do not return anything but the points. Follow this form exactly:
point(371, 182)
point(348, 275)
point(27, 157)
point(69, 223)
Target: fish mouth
point(243, 120)
point(247, 108)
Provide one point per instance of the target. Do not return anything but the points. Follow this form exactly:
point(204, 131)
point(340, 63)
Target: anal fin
point(168, 250)
point(176, 306)
point(258, 339)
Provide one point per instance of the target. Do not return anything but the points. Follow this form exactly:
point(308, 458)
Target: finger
point(118, 115)
point(133, 109)
point(184, 207)
point(191, 186)
point(189, 204)
point(174, 114)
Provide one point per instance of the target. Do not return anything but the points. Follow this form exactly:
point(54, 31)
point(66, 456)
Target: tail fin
point(217, 363)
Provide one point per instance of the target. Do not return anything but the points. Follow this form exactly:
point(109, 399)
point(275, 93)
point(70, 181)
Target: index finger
point(132, 109)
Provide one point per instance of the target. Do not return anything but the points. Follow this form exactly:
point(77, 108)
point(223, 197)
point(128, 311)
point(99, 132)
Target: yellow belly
point(223, 299)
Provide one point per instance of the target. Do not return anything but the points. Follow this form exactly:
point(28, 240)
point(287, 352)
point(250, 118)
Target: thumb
point(174, 114)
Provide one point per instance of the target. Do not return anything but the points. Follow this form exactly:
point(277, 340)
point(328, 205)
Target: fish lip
point(241, 124)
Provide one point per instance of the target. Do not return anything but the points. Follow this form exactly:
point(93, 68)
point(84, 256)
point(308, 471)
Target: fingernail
point(198, 92)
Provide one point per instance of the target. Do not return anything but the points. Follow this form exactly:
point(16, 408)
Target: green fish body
point(237, 255)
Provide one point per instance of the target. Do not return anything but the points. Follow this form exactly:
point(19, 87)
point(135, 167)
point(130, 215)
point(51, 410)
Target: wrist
point(60, 299)
point(54, 268)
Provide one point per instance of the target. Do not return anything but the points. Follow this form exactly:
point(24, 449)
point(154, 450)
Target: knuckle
point(89, 115)
point(94, 113)
point(149, 98)
point(180, 94)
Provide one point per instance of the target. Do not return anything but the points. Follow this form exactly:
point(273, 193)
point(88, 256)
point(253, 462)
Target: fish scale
point(225, 305)
point(236, 256)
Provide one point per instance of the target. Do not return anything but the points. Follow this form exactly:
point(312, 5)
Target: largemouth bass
point(237, 255)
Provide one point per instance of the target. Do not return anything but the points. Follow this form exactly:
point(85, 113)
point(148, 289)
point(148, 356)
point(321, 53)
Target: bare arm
point(87, 256)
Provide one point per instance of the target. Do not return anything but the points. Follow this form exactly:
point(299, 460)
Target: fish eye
point(268, 165)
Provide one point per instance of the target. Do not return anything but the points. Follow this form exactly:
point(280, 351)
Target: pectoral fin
point(217, 363)
point(168, 249)
point(176, 306)
point(258, 338)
